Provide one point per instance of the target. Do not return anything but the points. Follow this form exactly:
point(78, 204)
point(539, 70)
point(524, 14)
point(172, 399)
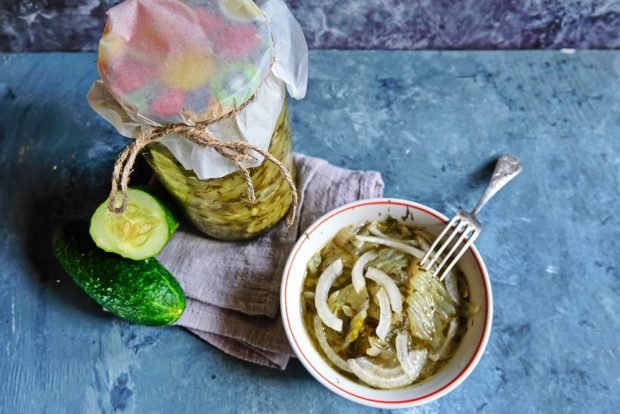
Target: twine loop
point(236, 151)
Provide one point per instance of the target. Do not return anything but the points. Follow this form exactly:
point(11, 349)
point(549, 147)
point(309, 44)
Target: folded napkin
point(233, 288)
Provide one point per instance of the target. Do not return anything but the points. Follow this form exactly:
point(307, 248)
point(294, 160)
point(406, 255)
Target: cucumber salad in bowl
point(374, 314)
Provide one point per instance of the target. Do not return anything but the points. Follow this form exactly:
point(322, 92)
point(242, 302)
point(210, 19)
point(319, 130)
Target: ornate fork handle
point(464, 227)
point(507, 168)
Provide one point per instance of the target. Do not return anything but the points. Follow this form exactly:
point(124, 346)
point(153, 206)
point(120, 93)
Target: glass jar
point(220, 207)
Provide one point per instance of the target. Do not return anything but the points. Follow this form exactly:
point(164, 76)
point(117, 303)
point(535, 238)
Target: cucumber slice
point(140, 232)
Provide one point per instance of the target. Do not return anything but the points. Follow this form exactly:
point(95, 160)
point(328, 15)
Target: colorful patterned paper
point(174, 61)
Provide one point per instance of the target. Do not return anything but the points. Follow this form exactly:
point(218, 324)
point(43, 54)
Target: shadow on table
point(51, 175)
point(482, 175)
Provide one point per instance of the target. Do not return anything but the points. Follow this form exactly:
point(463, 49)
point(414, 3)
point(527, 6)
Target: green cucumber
point(140, 232)
point(141, 291)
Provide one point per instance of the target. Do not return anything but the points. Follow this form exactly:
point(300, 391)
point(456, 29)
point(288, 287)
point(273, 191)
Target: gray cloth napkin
point(233, 288)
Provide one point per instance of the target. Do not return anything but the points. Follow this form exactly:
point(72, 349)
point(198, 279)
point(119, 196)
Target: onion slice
point(347, 311)
point(423, 243)
point(385, 315)
point(413, 251)
point(377, 376)
point(386, 282)
point(377, 346)
point(374, 351)
point(326, 280)
point(452, 328)
point(412, 362)
point(357, 273)
point(372, 229)
point(452, 287)
point(329, 352)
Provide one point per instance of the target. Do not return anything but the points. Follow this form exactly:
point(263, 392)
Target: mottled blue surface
point(431, 123)
point(76, 25)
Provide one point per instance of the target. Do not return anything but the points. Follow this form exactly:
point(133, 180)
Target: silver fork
point(466, 225)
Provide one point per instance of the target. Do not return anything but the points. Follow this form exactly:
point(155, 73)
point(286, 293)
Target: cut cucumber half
point(141, 291)
point(140, 232)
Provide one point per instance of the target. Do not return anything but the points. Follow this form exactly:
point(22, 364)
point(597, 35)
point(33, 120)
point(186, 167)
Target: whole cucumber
point(141, 291)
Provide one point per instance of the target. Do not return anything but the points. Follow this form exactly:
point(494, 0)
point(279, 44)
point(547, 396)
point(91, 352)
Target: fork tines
point(467, 228)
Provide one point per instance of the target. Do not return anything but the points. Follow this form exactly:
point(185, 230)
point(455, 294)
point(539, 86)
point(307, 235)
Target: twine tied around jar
point(236, 151)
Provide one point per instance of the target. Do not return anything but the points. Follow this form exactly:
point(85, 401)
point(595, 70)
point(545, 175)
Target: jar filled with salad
point(220, 207)
point(201, 88)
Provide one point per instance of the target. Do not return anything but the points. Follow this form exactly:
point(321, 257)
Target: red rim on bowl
point(351, 395)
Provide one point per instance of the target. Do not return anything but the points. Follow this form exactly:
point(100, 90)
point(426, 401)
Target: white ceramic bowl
point(450, 375)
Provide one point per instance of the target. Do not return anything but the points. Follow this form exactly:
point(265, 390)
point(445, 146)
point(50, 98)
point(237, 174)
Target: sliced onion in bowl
point(413, 251)
point(374, 351)
point(385, 315)
point(423, 243)
point(357, 273)
point(372, 229)
point(347, 311)
point(329, 352)
point(377, 376)
point(386, 282)
point(412, 362)
point(452, 328)
point(451, 286)
point(326, 280)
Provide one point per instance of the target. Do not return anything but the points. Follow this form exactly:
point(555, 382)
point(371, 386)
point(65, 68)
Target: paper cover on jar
point(168, 61)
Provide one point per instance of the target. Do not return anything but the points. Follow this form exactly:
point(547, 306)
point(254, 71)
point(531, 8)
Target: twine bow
point(236, 151)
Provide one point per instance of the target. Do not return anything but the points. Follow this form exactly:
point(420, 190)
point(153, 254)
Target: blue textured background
point(431, 123)
point(76, 25)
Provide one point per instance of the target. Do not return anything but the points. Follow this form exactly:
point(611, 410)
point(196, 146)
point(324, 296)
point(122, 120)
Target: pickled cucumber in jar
point(175, 70)
point(220, 207)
